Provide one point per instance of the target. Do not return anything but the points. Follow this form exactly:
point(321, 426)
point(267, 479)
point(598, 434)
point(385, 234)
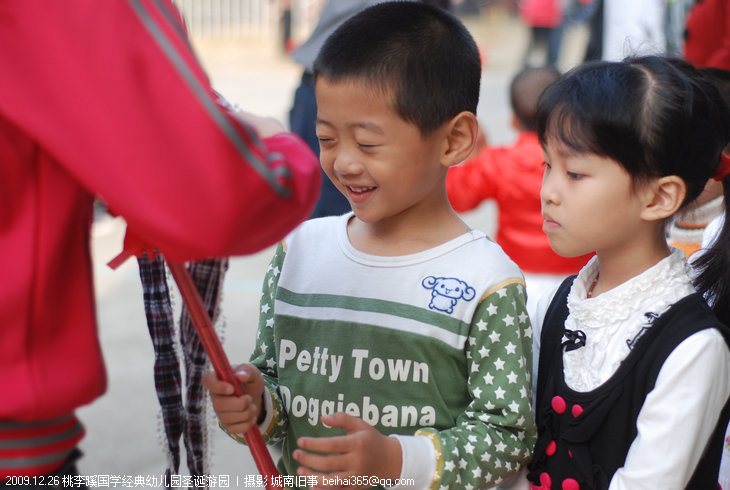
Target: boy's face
point(383, 165)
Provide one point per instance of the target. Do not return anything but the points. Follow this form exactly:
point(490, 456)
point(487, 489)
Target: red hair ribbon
point(723, 170)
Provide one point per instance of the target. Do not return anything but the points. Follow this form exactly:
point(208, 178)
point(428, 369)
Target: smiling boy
point(393, 341)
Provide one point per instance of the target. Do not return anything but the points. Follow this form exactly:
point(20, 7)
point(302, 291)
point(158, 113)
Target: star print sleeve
point(263, 357)
point(494, 436)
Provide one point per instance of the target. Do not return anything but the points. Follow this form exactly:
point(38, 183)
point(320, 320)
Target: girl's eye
point(366, 146)
point(546, 165)
point(574, 176)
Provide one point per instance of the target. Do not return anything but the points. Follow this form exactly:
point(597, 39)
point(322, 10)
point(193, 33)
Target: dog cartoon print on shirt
point(446, 292)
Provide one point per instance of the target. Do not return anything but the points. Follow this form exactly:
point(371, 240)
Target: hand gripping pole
point(222, 367)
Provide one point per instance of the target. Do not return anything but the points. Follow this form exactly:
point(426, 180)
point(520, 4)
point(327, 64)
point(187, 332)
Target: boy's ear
point(460, 138)
point(664, 197)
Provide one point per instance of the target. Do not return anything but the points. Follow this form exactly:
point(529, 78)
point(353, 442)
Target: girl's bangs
point(565, 128)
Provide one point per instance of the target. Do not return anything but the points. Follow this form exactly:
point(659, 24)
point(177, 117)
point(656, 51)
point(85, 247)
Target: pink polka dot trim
point(551, 448)
point(559, 404)
point(570, 484)
point(545, 480)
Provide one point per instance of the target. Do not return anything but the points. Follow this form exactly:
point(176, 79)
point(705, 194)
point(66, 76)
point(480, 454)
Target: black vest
point(586, 436)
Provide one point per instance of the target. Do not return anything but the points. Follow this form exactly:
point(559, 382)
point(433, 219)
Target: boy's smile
point(386, 168)
point(359, 194)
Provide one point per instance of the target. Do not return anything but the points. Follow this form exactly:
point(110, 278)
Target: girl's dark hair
point(713, 267)
point(655, 116)
point(713, 264)
point(420, 54)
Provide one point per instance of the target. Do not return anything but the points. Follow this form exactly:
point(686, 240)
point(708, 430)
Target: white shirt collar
point(617, 315)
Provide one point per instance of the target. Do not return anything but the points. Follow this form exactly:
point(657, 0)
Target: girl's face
point(588, 203)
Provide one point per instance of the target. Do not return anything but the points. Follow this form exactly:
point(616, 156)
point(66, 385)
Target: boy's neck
point(396, 237)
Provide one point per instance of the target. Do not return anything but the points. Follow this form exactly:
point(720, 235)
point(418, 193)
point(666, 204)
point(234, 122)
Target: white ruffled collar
point(655, 288)
point(617, 315)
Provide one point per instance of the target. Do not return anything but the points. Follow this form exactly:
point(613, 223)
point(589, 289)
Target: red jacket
point(708, 34)
point(106, 98)
point(511, 176)
point(541, 13)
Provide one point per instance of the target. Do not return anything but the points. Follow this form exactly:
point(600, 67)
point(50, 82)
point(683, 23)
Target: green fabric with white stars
point(463, 379)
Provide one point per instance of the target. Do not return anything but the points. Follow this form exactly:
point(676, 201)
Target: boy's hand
point(363, 454)
point(237, 413)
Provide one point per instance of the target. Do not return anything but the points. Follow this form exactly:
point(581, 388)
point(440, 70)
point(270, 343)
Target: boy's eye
point(574, 176)
point(546, 165)
point(366, 146)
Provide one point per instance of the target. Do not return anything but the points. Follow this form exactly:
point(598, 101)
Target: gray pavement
point(124, 434)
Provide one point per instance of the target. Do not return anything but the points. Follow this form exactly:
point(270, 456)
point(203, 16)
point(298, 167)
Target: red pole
point(223, 369)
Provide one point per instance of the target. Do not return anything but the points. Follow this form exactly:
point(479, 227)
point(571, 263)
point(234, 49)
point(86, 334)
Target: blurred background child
point(511, 176)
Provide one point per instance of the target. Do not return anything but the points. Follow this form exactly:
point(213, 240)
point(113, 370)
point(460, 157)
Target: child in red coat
point(512, 176)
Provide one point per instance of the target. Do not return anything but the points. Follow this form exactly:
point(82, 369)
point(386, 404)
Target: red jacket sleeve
point(112, 92)
point(470, 183)
point(720, 58)
point(707, 42)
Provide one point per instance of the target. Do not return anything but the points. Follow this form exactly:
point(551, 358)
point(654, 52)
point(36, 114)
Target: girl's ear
point(460, 138)
point(664, 196)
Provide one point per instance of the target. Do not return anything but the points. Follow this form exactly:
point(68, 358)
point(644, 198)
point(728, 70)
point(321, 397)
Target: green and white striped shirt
point(434, 347)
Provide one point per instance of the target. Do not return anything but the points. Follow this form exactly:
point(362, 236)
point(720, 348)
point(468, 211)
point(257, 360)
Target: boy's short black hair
point(420, 54)
point(525, 90)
